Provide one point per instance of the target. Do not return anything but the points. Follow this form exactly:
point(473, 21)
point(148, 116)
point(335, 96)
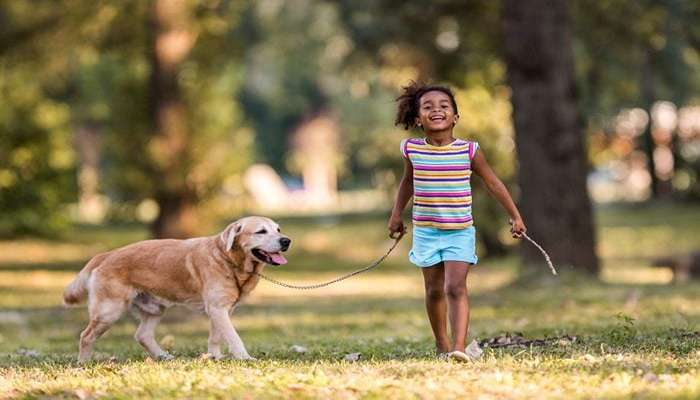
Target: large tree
point(549, 133)
point(172, 38)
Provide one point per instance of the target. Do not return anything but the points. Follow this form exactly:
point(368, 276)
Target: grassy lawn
point(636, 333)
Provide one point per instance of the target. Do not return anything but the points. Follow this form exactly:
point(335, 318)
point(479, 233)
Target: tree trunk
point(549, 136)
point(171, 42)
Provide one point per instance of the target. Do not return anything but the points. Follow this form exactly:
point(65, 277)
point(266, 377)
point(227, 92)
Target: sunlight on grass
point(637, 275)
point(39, 251)
point(512, 376)
point(20, 290)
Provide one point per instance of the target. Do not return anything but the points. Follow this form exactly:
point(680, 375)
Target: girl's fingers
point(395, 231)
point(398, 233)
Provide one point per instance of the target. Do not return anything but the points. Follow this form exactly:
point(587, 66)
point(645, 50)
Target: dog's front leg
point(221, 323)
point(215, 338)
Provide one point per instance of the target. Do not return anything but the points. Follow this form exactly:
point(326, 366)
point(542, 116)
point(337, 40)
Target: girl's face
point(435, 112)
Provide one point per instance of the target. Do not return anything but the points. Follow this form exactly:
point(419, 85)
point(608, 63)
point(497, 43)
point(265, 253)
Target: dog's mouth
point(269, 258)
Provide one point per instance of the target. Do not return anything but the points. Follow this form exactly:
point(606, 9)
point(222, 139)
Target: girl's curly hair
point(409, 102)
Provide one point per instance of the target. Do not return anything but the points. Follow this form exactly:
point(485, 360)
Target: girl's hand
point(517, 227)
point(396, 226)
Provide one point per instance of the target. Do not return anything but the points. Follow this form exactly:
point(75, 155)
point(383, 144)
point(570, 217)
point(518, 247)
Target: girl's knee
point(456, 289)
point(434, 293)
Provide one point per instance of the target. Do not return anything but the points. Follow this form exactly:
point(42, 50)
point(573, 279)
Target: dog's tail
point(76, 291)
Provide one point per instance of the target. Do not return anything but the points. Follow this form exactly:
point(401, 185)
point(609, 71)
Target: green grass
point(637, 335)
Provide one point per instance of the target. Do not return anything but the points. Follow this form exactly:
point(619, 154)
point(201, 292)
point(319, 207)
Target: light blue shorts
point(432, 246)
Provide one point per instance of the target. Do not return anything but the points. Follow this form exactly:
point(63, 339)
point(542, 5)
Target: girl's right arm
point(403, 196)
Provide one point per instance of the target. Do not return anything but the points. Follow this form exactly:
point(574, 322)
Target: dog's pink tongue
point(278, 258)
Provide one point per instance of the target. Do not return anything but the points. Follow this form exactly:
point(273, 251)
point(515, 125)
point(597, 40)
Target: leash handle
point(544, 253)
point(400, 233)
point(512, 225)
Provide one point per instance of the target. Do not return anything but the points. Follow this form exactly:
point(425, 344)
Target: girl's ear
point(418, 124)
point(456, 118)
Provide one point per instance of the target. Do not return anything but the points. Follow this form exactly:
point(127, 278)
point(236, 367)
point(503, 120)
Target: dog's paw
point(210, 356)
point(246, 357)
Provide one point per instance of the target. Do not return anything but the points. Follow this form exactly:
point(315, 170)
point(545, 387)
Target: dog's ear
point(230, 234)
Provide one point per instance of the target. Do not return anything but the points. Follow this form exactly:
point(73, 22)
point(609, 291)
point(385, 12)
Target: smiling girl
point(437, 175)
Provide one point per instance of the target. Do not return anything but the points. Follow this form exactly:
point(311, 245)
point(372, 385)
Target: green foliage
point(36, 160)
point(294, 68)
point(623, 331)
point(218, 146)
point(258, 69)
point(88, 65)
point(38, 50)
point(612, 39)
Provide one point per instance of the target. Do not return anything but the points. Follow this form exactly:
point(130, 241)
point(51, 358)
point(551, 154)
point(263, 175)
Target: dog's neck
point(237, 260)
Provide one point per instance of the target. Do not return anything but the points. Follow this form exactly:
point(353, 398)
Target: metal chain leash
point(340, 278)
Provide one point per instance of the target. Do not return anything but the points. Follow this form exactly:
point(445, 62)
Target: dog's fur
point(208, 273)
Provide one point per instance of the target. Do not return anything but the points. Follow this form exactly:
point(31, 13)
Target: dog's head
point(258, 238)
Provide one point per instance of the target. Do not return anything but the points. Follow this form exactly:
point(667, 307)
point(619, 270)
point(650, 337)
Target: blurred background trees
point(153, 111)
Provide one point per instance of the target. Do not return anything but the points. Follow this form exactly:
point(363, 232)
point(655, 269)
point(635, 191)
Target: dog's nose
point(285, 242)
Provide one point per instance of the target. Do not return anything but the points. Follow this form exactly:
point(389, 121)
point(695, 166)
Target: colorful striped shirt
point(442, 195)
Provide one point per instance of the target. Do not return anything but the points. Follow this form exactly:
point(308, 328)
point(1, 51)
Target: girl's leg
point(434, 278)
point(458, 302)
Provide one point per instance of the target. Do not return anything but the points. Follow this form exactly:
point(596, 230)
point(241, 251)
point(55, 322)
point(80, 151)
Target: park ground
point(636, 333)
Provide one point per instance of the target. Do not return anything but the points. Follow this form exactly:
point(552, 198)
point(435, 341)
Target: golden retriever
point(208, 273)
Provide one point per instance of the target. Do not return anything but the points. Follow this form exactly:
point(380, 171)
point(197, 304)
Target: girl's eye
point(261, 231)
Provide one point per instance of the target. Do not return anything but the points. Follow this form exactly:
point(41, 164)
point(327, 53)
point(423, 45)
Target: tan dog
point(208, 273)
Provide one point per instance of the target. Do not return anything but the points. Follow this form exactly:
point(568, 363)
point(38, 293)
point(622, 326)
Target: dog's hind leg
point(102, 315)
point(146, 336)
point(107, 301)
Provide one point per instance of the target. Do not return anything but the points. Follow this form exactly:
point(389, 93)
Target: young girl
point(437, 174)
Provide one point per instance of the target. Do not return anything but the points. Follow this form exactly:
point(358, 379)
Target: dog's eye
point(278, 230)
point(261, 231)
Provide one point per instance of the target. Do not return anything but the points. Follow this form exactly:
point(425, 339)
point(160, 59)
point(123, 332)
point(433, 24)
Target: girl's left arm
point(498, 190)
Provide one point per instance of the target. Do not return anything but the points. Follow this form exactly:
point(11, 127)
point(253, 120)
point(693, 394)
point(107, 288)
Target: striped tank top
point(442, 195)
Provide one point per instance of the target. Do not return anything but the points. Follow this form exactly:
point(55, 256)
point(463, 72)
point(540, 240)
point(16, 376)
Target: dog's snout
point(285, 242)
